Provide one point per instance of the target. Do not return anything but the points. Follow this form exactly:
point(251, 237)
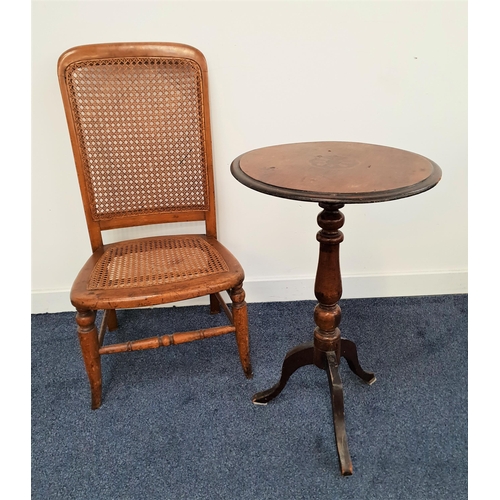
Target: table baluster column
point(328, 284)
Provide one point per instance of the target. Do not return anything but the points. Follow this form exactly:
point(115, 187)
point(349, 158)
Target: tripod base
point(304, 354)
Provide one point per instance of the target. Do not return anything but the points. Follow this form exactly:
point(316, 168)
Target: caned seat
point(139, 124)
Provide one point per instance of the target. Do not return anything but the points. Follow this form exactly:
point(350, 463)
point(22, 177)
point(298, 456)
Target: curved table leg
point(349, 351)
point(297, 357)
point(337, 396)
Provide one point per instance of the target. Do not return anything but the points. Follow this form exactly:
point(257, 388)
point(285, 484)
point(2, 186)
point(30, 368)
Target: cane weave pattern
point(140, 129)
point(155, 261)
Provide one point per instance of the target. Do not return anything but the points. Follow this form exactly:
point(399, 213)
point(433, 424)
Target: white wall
point(382, 72)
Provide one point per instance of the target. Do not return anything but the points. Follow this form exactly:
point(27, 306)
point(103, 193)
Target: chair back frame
point(128, 64)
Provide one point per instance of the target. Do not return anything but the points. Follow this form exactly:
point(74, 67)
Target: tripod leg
point(349, 351)
point(337, 396)
point(298, 356)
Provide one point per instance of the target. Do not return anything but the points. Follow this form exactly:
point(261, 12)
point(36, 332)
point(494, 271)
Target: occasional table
point(332, 174)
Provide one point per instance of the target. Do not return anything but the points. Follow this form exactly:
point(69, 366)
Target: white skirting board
point(291, 289)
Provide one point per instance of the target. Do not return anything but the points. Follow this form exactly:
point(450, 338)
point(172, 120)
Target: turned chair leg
point(240, 318)
point(89, 343)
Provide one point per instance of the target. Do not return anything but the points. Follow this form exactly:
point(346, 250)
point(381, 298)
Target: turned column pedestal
point(327, 347)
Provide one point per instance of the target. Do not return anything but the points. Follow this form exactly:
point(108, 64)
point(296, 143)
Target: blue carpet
point(178, 422)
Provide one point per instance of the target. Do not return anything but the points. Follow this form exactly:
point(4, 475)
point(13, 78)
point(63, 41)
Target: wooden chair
point(138, 118)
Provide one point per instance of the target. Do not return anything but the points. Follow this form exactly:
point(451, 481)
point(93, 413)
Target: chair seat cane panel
point(112, 278)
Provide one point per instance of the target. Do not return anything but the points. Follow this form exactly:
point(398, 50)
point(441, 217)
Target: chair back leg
point(214, 304)
point(112, 320)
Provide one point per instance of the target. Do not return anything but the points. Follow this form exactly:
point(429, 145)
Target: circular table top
point(336, 172)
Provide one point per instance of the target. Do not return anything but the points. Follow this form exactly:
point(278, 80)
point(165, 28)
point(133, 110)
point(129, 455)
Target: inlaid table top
point(338, 172)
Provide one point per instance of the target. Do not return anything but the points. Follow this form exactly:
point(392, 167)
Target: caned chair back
point(139, 121)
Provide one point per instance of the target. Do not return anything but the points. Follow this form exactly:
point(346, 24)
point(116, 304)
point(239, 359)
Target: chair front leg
point(89, 343)
point(240, 319)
